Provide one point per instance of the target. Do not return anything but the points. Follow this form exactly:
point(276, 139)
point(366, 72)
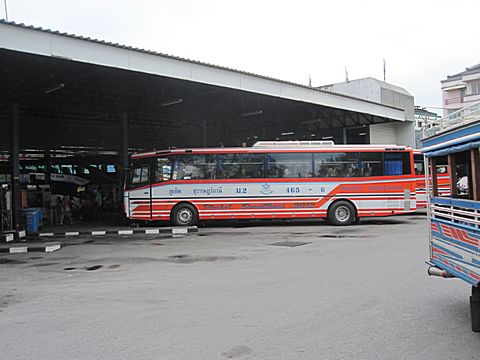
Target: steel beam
point(18, 223)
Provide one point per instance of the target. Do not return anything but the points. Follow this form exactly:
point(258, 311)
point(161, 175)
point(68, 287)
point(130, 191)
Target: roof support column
point(18, 223)
point(124, 149)
point(344, 135)
point(48, 166)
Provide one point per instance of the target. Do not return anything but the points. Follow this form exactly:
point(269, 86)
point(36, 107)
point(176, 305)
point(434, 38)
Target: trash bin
point(33, 218)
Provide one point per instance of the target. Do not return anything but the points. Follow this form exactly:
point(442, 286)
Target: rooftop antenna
point(346, 75)
point(384, 71)
point(6, 12)
point(309, 79)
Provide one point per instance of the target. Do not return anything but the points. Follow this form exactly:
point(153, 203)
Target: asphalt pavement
point(263, 290)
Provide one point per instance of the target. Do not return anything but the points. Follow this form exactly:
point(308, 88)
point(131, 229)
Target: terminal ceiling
point(64, 103)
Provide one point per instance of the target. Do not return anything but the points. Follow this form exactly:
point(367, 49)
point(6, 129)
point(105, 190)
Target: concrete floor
point(358, 292)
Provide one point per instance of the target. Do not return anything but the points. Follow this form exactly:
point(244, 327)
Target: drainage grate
point(290, 243)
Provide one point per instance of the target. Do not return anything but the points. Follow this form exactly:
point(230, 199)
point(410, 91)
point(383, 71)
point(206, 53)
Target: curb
point(12, 235)
point(152, 231)
point(33, 247)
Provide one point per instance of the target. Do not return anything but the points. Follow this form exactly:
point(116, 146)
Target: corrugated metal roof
point(117, 45)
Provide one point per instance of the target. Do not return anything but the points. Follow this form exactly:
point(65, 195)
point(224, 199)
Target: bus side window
point(397, 163)
point(371, 164)
point(333, 164)
point(194, 167)
point(289, 165)
point(419, 165)
point(241, 166)
point(140, 176)
point(163, 170)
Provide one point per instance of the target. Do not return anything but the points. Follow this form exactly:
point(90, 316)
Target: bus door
point(139, 195)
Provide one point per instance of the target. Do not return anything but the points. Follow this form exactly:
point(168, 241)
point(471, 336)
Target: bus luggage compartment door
point(407, 198)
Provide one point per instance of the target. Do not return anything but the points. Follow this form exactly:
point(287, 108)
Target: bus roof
point(287, 146)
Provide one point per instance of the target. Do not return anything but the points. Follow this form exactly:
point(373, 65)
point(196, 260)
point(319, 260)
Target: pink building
point(461, 89)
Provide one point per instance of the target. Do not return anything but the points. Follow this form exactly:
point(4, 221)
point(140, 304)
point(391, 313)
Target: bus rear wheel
point(341, 213)
point(184, 215)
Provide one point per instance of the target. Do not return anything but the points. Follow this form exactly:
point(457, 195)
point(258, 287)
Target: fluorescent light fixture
point(287, 133)
point(252, 113)
point(362, 134)
point(327, 137)
point(171, 102)
point(54, 88)
point(313, 135)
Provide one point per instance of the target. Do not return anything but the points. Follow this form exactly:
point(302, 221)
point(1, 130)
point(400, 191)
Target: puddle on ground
point(6, 300)
point(344, 236)
point(290, 243)
point(11, 261)
point(45, 264)
point(384, 222)
point(240, 233)
point(347, 231)
point(328, 236)
point(237, 351)
point(93, 268)
point(187, 259)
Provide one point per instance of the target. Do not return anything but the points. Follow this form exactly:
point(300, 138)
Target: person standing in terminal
point(66, 210)
point(53, 204)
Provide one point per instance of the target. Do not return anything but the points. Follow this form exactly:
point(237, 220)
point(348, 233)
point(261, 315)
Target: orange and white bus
point(443, 178)
point(285, 179)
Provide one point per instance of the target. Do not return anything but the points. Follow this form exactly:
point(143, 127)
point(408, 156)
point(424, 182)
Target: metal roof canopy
point(72, 90)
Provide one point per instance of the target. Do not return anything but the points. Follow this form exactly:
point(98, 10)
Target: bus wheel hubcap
point(184, 216)
point(342, 213)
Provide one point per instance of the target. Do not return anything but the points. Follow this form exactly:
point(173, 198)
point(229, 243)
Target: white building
point(397, 132)
point(422, 115)
point(461, 90)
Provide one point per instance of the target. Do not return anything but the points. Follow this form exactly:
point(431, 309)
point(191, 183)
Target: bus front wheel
point(184, 215)
point(341, 213)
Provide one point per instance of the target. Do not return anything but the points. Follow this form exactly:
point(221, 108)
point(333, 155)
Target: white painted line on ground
point(180, 231)
point(52, 248)
point(152, 231)
point(9, 237)
point(125, 232)
point(46, 234)
point(99, 232)
point(72, 233)
point(15, 250)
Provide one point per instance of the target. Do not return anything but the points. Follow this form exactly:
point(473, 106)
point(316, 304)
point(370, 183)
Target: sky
point(421, 41)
